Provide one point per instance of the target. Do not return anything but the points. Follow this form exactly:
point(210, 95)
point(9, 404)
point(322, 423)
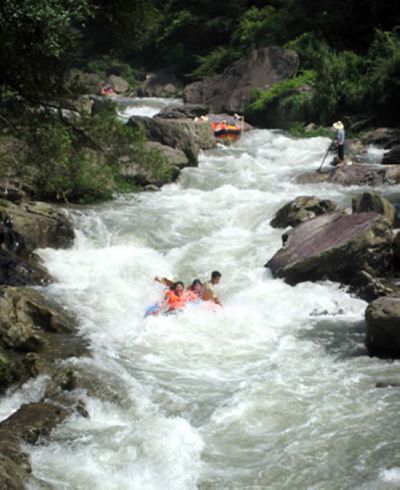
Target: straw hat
point(338, 125)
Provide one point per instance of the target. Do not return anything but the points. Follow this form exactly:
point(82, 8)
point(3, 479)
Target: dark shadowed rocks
point(231, 91)
point(392, 157)
point(28, 424)
point(368, 287)
point(371, 202)
point(383, 327)
point(34, 331)
point(301, 209)
point(335, 246)
point(386, 137)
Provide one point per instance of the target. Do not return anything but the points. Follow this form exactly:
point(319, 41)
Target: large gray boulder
point(185, 111)
point(371, 202)
point(39, 224)
point(383, 327)
point(119, 84)
point(301, 209)
point(161, 84)
point(335, 247)
point(231, 91)
point(182, 134)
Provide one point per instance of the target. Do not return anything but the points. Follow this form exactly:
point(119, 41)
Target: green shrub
point(261, 98)
point(80, 162)
point(213, 63)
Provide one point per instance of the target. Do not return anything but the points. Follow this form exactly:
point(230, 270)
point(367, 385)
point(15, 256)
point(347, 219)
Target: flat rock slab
point(359, 174)
point(335, 247)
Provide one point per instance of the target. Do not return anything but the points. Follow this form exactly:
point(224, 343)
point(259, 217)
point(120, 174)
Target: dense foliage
point(349, 52)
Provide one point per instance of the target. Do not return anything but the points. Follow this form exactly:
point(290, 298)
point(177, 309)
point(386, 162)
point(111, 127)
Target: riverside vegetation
point(349, 67)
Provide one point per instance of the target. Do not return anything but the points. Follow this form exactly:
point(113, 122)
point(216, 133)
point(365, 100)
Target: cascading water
point(273, 392)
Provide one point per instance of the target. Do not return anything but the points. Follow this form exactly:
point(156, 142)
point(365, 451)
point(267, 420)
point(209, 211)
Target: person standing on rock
point(340, 140)
point(208, 292)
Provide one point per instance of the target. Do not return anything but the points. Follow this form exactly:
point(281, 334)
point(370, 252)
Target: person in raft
point(340, 140)
point(174, 298)
point(208, 292)
point(193, 292)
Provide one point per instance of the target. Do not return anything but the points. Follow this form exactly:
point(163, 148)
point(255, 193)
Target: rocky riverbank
point(36, 333)
point(357, 248)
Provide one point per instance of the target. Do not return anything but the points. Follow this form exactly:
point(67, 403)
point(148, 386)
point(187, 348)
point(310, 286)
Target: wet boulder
point(182, 134)
point(21, 271)
point(392, 157)
point(119, 84)
point(232, 90)
point(301, 209)
point(34, 331)
point(383, 327)
point(186, 111)
point(371, 202)
point(38, 224)
point(29, 423)
point(369, 288)
point(335, 246)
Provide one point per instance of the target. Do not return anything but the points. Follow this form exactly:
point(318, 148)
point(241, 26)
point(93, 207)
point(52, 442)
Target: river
point(273, 392)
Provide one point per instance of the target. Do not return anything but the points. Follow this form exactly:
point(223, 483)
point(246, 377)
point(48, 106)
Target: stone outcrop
point(370, 202)
point(335, 247)
point(383, 327)
point(301, 209)
point(119, 84)
point(392, 157)
point(28, 424)
point(24, 228)
point(185, 111)
point(37, 224)
point(231, 91)
point(368, 287)
point(34, 331)
point(161, 84)
point(182, 134)
point(362, 174)
point(386, 137)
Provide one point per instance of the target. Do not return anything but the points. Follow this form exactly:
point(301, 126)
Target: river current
point(275, 391)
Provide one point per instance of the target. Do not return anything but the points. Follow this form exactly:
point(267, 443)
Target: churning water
point(273, 392)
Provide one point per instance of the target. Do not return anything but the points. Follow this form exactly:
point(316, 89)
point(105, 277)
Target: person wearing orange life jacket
point(174, 298)
point(193, 292)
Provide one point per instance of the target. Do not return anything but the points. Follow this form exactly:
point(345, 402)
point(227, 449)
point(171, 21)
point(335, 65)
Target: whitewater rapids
point(274, 392)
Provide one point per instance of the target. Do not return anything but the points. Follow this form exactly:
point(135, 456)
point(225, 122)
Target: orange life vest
point(174, 301)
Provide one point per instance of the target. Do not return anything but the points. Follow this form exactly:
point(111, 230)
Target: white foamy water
point(142, 106)
point(273, 392)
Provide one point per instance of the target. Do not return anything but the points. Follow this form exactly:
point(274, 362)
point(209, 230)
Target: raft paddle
point(326, 154)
